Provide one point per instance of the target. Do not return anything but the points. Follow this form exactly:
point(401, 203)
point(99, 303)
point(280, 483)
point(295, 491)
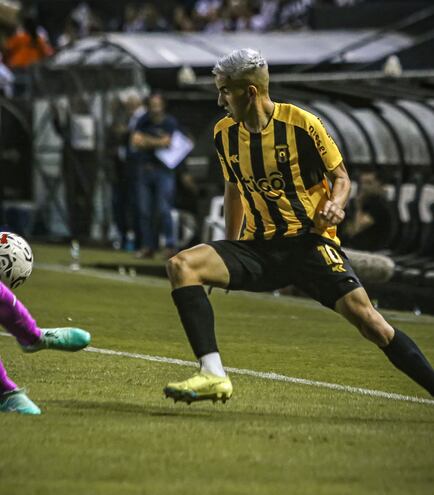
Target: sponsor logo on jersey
point(317, 138)
point(271, 187)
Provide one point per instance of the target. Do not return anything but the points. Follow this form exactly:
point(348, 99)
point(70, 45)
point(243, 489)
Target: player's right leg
point(188, 272)
point(199, 265)
point(17, 320)
point(399, 348)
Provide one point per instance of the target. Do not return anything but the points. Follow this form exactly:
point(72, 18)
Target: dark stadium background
point(369, 75)
point(316, 409)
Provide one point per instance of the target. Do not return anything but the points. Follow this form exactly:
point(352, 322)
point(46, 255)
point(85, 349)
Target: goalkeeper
point(17, 320)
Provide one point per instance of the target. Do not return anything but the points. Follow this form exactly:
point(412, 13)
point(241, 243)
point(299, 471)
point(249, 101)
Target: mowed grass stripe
point(263, 375)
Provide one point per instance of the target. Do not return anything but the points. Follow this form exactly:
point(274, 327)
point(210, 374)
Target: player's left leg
point(188, 272)
point(17, 320)
point(6, 384)
point(13, 399)
point(401, 350)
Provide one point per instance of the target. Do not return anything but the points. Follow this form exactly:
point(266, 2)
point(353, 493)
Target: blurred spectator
point(87, 20)
point(206, 12)
point(232, 15)
point(126, 110)
point(133, 21)
point(71, 33)
point(76, 125)
point(372, 223)
point(181, 21)
point(82, 16)
point(6, 81)
point(27, 45)
point(153, 20)
point(293, 14)
point(264, 15)
point(346, 3)
point(155, 188)
point(237, 15)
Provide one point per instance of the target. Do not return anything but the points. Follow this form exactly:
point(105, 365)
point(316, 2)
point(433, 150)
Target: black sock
point(403, 352)
point(197, 318)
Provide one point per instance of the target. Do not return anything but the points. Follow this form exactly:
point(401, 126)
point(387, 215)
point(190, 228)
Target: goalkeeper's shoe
point(61, 339)
point(201, 386)
point(17, 401)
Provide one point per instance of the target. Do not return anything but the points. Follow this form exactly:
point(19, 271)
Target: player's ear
point(252, 91)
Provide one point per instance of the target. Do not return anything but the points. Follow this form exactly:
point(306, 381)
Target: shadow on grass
point(221, 413)
point(124, 407)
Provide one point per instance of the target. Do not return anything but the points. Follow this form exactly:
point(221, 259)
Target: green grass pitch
point(107, 429)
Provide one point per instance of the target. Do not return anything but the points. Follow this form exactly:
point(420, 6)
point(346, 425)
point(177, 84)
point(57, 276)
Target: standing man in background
point(126, 111)
point(77, 127)
point(155, 187)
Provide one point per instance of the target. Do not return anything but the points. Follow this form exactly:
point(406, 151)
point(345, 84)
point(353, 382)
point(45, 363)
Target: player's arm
point(333, 211)
point(234, 212)
point(145, 141)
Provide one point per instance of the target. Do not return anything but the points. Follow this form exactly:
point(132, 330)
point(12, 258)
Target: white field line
point(151, 281)
point(264, 375)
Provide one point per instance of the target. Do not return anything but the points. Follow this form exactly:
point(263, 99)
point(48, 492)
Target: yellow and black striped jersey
point(280, 172)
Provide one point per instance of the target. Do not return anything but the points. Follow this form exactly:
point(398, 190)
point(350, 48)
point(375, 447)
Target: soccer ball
point(16, 260)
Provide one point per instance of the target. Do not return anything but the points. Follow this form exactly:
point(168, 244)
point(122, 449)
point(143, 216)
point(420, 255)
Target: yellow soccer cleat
point(201, 386)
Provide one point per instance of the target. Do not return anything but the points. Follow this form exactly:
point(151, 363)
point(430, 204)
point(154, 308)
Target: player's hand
point(331, 214)
point(165, 140)
point(138, 140)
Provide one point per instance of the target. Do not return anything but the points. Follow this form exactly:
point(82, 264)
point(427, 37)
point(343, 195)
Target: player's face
point(232, 97)
point(156, 107)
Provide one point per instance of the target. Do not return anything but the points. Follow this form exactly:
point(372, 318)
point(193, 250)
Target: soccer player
point(18, 321)
point(281, 217)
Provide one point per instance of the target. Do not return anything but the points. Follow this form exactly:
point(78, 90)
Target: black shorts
point(310, 262)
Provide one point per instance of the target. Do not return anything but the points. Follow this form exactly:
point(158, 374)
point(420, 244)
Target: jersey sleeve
point(228, 173)
point(324, 143)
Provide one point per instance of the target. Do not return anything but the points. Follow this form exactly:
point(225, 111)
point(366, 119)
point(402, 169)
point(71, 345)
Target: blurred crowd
point(21, 32)
point(196, 15)
point(27, 36)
